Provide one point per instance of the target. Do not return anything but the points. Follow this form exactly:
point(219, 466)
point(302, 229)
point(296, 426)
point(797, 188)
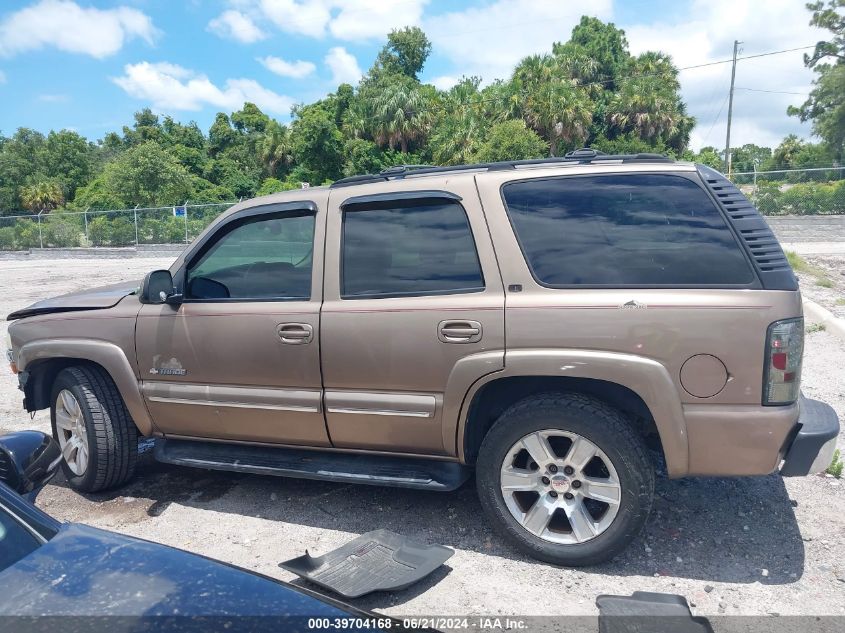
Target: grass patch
point(836, 465)
point(840, 301)
point(801, 265)
point(815, 327)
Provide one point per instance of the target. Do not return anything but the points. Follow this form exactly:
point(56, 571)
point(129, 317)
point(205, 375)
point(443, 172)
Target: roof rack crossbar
point(582, 157)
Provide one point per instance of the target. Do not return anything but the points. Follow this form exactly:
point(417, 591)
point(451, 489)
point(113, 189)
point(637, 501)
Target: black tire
point(607, 428)
point(112, 435)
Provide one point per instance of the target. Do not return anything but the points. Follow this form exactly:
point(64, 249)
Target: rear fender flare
point(644, 376)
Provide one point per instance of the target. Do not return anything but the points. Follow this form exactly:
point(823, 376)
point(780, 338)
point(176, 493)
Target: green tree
point(221, 136)
point(405, 52)
point(825, 106)
point(68, 159)
point(43, 196)
point(401, 114)
point(553, 105)
point(648, 103)
point(512, 140)
point(22, 162)
point(276, 149)
point(710, 156)
point(147, 127)
point(147, 175)
point(317, 144)
point(460, 127)
point(601, 42)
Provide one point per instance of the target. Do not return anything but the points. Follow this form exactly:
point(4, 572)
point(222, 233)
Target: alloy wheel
point(560, 486)
point(72, 432)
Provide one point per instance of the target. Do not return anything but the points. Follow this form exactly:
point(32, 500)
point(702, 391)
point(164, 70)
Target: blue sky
point(88, 65)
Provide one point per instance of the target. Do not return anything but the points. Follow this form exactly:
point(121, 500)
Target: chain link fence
point(788, 192)
point(818, 191)
point(114, 228)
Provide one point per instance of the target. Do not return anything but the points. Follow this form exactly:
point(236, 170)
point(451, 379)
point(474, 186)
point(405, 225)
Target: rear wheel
point(565, 478)
point(97, 437)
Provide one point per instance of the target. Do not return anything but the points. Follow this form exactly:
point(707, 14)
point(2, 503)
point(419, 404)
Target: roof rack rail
point(585, 155)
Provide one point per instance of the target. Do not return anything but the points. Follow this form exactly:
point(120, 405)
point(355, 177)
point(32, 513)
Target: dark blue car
point(76, 577)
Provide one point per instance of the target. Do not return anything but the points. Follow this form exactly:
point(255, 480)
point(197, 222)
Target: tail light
point(782, 364)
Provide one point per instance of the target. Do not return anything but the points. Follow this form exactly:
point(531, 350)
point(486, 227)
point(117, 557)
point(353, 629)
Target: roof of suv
point(583, 156)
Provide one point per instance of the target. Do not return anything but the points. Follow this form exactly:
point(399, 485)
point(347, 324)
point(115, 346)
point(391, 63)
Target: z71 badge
point(168, 371)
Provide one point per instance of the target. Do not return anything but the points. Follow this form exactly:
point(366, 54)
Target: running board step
point(374, 470)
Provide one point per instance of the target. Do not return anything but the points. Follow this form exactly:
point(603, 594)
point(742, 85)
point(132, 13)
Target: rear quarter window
point(624, 230)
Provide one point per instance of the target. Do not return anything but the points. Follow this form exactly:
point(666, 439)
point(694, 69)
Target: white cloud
point(297, 69)
point(235, 25)
point(170, 87)
point(489, 40)
point(69, 27)
point(53, 98)
point(348, 20)
point(343, 65)
point(706, 33)
point(307, 17)
point(444, 82)
point(365, 19)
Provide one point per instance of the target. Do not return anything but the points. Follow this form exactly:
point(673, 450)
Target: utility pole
point(730, 113)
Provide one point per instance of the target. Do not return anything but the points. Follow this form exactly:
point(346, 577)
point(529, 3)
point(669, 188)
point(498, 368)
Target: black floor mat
point(646, 612)
point(380, 560)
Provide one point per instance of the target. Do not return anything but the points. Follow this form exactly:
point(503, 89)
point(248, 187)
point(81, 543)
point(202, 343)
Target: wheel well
point(496, 396)
point(42, 375)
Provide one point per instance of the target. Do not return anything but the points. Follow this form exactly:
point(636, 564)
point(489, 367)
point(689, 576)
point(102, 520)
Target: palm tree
point(275, 147)
point(401, 115)
point(460, 128)
point(42, 196)
point(647, 102)
point(553, 104)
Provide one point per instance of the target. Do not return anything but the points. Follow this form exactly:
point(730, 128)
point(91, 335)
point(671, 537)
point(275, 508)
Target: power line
point(774, 92)
point(716, 118)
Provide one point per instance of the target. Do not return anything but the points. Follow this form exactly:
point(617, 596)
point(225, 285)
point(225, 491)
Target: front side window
point(408, 249)
point(15, 541)
point(624, 230)
point(259, 258)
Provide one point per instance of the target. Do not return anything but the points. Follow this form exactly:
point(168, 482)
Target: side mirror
point(28, 460)
point(158, 288)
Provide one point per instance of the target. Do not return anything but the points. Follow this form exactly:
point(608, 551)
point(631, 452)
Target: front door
point(413, 299)
point(240, 358)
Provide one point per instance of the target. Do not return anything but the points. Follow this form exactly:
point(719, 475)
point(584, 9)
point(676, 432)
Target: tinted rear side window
point(635, 230)
point(409, 249)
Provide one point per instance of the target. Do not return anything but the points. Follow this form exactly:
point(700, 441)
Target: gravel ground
point(751, 546)
point(828, 290)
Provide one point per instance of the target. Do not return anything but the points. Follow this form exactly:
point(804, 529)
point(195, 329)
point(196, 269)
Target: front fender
point(644, 376)
point(107, 355)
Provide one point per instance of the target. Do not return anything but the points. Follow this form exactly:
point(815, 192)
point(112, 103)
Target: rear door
point(240, 358)
point(413, 298)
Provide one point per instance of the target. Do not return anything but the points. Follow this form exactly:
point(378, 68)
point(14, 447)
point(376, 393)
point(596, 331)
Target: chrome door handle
point(459, 331)
point(295, 333)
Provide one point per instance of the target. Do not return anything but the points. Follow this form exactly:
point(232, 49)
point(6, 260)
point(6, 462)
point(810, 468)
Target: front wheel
point(565, 478)
point(97, 437)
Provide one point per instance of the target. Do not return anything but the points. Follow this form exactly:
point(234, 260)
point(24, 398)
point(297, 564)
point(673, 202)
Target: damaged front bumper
point(811, 450)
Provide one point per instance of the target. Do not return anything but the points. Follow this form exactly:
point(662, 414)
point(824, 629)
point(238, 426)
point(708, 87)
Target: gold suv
point(562, 327)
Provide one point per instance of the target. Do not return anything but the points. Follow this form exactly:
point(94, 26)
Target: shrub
point(122, 232)
point(61, 231)
point(7, 238)
point(27, 234)
point(99, 230)
point(166, 230)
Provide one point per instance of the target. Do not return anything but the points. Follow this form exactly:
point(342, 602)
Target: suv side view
point(564, 327)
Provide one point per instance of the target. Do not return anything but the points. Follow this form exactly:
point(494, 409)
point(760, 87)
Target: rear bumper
point(812, 448)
